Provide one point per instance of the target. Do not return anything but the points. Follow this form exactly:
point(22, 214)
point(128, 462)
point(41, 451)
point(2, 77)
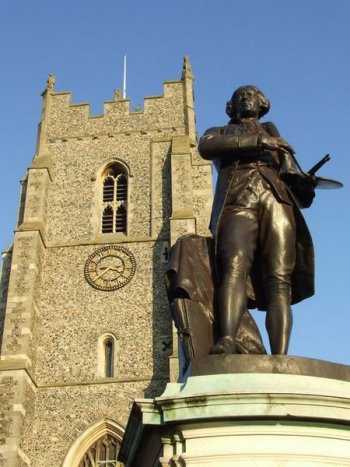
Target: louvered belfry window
point(103, 453)
point(115, 194)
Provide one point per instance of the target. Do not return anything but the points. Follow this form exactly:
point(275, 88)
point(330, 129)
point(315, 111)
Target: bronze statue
point(261, 254)
point(263, 249)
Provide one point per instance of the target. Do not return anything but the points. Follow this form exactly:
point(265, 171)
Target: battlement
point(65, 119)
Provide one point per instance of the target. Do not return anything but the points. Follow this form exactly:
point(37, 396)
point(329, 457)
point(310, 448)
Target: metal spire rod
point(124, 78)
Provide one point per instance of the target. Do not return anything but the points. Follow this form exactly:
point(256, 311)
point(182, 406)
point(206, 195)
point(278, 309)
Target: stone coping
point(252, 395)
point(271, 364)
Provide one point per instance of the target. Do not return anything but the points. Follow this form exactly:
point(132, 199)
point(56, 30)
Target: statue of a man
point(263, 250)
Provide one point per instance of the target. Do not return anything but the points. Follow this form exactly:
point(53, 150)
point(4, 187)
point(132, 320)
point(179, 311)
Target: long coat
point(227, 147)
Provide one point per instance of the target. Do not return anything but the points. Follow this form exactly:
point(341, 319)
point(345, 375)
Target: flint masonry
point(84, 320)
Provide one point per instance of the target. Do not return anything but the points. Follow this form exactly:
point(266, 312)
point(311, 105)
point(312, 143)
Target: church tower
point(84, 320)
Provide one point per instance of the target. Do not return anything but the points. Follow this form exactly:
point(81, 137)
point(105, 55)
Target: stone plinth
point(277, 414)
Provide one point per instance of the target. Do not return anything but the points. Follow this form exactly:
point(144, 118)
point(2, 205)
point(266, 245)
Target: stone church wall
point(74, 315)
point(63, 388)
point(68, 410)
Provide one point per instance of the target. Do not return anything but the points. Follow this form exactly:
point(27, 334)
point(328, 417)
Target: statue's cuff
point(248, 142)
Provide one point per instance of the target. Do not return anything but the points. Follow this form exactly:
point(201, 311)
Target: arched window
point(103, 452)
point(98, 446)
point(109, 357)
point(114, 199)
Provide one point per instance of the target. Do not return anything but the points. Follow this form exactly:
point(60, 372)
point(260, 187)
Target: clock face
point(110, 268)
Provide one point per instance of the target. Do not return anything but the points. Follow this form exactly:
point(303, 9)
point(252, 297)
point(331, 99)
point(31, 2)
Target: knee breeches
point(257, 224)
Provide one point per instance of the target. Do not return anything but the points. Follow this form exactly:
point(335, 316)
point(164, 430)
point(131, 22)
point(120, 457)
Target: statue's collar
point(238, 121)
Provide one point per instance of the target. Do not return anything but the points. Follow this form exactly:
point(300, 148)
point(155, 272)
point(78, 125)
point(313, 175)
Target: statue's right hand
point(275, 143)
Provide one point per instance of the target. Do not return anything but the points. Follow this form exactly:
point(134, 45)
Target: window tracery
point(103, 453)
point(114, 199)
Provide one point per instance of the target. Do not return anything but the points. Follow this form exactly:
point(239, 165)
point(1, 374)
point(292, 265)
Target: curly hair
point(264, 102)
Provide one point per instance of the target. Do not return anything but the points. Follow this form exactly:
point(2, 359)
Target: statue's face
point(247, 103)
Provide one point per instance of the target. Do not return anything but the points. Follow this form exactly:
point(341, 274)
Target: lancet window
point(109, 357)
point(114, 199)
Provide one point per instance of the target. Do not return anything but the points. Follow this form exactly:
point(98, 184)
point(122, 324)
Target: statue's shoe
point(225, 345)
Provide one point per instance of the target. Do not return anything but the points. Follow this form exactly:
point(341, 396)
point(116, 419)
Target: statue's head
point(247, 101)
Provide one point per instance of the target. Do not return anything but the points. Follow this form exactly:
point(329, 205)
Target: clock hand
point(100, 275)
point(116, 269)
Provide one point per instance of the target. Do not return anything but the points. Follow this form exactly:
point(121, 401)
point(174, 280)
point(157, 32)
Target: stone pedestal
point(274, 413)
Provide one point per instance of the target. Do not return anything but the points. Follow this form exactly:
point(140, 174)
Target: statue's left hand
point(302, 186)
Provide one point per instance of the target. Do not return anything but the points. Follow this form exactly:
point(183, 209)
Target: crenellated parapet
point(65, 120)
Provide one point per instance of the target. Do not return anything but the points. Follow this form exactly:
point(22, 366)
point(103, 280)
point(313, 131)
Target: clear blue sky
point(297, 52)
